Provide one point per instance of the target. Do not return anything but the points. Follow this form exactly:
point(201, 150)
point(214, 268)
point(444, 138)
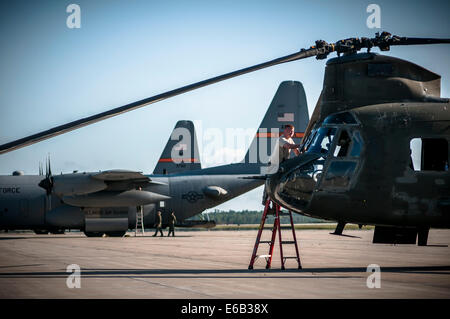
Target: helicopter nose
point(295, 181)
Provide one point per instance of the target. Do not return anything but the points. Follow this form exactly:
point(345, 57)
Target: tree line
point(250, 217)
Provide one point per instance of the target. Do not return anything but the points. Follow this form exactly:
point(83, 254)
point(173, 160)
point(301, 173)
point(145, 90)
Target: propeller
point(47, 183)
point(41, 172)
point(320, 50)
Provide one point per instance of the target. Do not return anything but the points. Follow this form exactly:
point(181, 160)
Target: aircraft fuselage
point(25, 205)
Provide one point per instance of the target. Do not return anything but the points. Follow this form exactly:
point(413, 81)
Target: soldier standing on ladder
point(282, 151)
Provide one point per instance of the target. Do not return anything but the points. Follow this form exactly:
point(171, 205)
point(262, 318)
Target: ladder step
point(139, 223)
point(273, 209)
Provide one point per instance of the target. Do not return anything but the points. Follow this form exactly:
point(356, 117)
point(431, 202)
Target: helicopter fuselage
point(358, 167)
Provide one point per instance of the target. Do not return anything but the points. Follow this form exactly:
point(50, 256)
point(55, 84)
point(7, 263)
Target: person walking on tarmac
point(158, 224)
point(172, 222)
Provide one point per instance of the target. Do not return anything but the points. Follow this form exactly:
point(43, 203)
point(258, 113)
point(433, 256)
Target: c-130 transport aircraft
point(105, 202)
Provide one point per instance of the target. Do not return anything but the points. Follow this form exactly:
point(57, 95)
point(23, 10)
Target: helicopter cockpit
point(332, 153)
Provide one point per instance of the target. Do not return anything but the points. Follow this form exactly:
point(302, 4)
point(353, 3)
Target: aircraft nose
point(295, 181)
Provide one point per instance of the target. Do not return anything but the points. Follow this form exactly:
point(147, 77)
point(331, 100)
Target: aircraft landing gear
point(49, 231)
point(93, 234)
point(109, 234)
point(339, 228)
point(115, 233)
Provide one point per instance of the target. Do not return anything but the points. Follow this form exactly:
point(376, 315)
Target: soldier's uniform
point(172, 222)
point(280, 154)
point(158, 225)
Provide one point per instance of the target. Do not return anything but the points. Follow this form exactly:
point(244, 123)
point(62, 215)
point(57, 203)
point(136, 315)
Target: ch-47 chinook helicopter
point(356, 162)
point(357, 154)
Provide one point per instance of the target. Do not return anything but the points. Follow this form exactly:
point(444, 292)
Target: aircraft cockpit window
point(309, 139)
point(343, 144)
point(339, 174)
point(340, 118)
point(322, 140)
point(357, 145)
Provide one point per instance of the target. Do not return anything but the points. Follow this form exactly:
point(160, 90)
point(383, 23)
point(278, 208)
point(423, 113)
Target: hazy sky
point(130, 50)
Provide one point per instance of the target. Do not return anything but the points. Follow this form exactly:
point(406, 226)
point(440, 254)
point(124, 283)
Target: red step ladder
point(274, 208)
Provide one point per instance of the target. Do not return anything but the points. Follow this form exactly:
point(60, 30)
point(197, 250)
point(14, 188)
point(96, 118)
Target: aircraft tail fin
point(181, 151)
point(288, 106)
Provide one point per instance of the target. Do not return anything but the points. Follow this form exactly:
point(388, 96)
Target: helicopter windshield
point(321, 141)
point(335, 155)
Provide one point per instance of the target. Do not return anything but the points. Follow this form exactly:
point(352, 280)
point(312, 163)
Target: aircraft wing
point(111, 180)
point(113, 188)
point(120, 175)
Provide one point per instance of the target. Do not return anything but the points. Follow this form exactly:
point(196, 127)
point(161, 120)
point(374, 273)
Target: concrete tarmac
point(213, 264)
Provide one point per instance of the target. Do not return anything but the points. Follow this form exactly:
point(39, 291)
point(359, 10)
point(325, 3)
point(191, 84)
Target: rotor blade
point(321, 50)
point(415, 41)
point(61, 129)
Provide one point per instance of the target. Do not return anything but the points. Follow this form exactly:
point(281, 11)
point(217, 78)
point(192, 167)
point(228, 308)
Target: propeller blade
point(47, 182)
point(49, 167)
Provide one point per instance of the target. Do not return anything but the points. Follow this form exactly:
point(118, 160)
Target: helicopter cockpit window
point(340, 118)
point(343, 144)
point(309, 140)
point(357, 144)
point(339, 174)
point(322, 140)
point(343, 164)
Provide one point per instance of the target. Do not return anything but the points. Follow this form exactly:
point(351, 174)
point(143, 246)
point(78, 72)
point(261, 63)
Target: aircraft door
point(36, 206)
point(24, 206)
